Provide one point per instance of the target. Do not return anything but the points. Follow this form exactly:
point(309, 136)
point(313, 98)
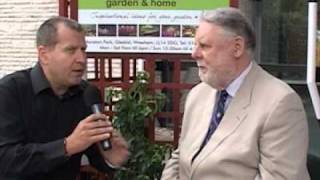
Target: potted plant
point(133, 107)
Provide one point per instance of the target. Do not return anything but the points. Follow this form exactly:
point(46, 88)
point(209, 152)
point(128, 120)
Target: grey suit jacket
point(262, 136)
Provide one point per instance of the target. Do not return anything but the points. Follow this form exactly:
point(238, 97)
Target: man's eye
point(84, 49)
point(202, 46)
point(69, 50)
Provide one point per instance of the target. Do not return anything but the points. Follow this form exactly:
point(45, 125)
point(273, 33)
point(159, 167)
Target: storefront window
point(281, 27)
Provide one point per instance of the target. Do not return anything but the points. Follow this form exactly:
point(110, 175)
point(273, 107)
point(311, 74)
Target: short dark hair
point(47, 32)
point(234, 21)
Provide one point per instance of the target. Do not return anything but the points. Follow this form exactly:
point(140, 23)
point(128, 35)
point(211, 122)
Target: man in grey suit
point(256, 130)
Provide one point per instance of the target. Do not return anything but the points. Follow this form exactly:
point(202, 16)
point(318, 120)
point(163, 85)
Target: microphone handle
point(105, 144)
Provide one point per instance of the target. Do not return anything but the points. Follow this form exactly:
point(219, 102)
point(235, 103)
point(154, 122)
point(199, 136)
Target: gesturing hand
point(119, 153)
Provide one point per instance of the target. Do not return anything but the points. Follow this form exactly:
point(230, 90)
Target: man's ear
point(43, 54)
point(239, 46)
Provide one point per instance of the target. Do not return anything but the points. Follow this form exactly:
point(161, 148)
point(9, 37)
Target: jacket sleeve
point(284, 142)
point(97, 161)
point(171, 170)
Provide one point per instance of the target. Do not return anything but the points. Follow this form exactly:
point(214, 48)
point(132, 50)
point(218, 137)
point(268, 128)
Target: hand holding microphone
point(96, 128)
point(117, 154)
point(92, 98)
point(89, 131)
point(92, 129)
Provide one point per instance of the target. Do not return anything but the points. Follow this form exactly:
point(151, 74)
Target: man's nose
point(81, 56)
point(195, 53)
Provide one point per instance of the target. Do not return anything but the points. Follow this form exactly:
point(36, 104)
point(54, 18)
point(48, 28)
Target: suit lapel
point(235, 114)
point(201, 125)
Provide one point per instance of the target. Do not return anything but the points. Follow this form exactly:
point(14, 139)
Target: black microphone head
point(92, 95)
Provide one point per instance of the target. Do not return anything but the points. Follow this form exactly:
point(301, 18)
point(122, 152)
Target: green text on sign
point(153, 4)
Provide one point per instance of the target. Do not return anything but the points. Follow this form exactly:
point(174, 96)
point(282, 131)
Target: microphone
point(92, 98)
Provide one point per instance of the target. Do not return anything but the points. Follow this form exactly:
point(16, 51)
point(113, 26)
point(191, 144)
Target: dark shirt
point(33, 124)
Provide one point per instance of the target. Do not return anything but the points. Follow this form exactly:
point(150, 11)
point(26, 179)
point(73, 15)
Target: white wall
point(19, 20)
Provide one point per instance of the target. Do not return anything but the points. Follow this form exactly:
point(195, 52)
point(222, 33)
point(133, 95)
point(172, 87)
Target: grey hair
point(47, 32)
point(234, 21)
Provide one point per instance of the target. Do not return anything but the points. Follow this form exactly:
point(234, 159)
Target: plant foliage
point(133, 107)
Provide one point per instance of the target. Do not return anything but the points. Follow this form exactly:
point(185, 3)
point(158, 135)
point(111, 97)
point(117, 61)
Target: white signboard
point(142, 26)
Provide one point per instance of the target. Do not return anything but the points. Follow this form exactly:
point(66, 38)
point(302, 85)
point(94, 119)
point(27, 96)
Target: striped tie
point(215, 120)
point(217, 115)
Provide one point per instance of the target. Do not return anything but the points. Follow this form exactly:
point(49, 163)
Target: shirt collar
point(235, 84)
point(38, 79)
point(40, 83)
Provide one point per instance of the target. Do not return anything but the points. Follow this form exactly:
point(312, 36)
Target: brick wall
point(19, 20)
